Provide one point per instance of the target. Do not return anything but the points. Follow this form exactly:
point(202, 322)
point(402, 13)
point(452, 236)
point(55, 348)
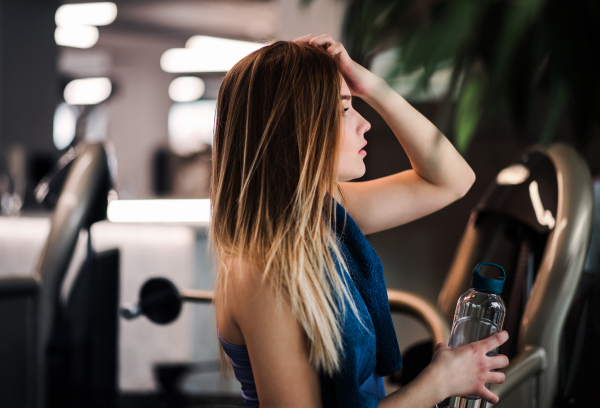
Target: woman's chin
point(353, 177)
point(361, 172)
point(355, 172)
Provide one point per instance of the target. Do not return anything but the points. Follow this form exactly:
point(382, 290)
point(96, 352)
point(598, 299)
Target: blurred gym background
point(141, 78)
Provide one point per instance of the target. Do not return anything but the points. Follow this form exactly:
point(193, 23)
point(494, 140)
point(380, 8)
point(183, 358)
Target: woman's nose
point(365, 126)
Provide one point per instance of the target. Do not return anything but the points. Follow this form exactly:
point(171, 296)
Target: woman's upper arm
point(388, 202)
point(277, 347)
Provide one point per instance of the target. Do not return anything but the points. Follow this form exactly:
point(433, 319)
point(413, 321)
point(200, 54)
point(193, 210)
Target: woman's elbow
point(467, 182)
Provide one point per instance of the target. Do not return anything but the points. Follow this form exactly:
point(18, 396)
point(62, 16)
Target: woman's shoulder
point(238, 285)
point(238, 274)
point(276, 342)
point(254, 314)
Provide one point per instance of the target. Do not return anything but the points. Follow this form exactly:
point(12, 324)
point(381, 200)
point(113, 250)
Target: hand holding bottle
point(466, 369)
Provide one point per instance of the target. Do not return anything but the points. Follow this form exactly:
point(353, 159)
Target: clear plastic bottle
point(479, 314)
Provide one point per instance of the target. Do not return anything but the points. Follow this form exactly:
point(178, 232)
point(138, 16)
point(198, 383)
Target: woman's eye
point(346, 109)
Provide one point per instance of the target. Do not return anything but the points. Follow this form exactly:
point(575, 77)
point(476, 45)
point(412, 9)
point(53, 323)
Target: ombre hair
point(274, 169)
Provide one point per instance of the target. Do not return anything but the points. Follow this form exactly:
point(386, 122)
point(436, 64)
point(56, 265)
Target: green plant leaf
point(522, 48)
point(369, 24)
point(455, 24)
point(519, 17)
point(468, 112)
point(558, 102)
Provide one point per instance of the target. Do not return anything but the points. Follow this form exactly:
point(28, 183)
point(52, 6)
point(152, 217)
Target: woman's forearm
point(431, 154)
point(422, 392)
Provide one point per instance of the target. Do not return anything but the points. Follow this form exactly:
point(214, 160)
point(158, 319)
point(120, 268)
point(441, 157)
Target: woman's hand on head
point(359, 79)
point(465, 370)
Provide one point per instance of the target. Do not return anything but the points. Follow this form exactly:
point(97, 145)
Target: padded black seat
point(29, 306)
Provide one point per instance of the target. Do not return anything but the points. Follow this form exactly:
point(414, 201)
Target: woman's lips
point(361, 151)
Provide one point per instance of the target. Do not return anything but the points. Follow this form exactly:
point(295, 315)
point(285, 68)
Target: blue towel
point(364, 352)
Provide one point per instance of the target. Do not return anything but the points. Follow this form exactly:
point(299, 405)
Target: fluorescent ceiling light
point(89, 91)
point(162, 210)
point(216, 45)
point(96, 14)
point(207, 54)
point(65, 122)
point(186, 89)
point(85, 36)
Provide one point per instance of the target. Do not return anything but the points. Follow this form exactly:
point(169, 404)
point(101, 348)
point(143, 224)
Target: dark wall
point(28, 81)
point(28, 84)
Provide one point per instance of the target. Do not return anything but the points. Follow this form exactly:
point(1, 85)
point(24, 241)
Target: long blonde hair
point(274, 168)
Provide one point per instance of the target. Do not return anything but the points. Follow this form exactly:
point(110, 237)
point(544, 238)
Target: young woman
point(292, 323)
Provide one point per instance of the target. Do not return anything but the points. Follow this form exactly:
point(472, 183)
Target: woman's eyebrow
point(349, 97)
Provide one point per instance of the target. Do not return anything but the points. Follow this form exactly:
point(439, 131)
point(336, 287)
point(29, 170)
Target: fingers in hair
point(304, 38)
point(324, 41)
point(335, 49)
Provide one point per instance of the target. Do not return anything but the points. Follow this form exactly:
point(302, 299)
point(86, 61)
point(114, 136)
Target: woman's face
point(351, 161)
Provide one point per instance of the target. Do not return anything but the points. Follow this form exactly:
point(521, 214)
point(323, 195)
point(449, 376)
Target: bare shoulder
point(238, 281)
point(276, 342)
point(246, 299)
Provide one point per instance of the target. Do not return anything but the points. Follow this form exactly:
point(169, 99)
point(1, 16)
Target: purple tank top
point(240, 360)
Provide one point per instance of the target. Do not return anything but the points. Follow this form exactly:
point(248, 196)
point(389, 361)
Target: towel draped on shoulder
point(364, 350)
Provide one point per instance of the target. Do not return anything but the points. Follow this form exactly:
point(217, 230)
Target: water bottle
point(479, 314)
